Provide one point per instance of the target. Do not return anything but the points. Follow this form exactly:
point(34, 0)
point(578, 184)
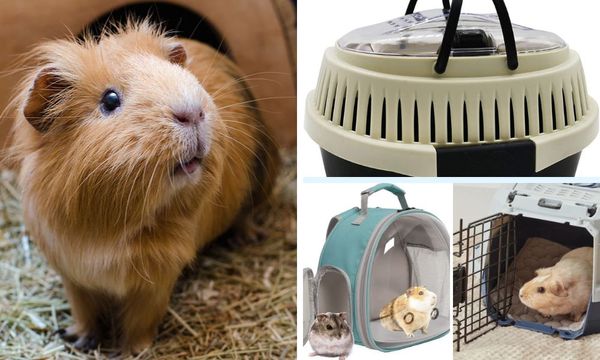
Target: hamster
point(331, 336)
point(410, 311)
point(134, 150)
point(562, 289)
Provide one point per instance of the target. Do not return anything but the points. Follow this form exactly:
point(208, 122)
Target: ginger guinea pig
point(409, 312)
point(564, 288)
point(135, 150)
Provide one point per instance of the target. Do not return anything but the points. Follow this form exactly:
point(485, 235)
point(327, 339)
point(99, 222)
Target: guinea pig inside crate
point(388, 269)
point(533, 226)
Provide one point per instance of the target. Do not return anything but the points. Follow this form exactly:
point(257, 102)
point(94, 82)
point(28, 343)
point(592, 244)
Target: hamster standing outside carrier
point(372, 256)
point(532, 226)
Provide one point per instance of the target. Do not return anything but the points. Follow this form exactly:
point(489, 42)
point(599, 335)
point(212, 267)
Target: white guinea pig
point(562, 289)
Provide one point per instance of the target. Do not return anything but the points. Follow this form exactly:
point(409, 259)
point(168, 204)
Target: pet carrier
point(533, 227)
point(372, 256)
point(440, 93)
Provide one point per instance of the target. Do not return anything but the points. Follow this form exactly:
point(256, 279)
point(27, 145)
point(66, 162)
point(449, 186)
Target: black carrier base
point(502, 160)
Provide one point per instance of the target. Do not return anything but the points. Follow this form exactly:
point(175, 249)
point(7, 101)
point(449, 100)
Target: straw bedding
point(238, 301)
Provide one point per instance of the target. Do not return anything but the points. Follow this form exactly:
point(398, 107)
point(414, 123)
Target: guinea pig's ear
point(409, 292)
point(542, 271)
point(559, 289)
point(45, 87)
point(177, 54)
point(321, 317)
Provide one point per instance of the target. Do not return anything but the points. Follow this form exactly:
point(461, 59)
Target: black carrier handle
point(413, 3)
point(441, 64)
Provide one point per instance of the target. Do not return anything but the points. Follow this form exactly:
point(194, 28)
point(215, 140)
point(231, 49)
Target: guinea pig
point(331, 336)
point(410, 311)
point(564, 288)
point(134, 150)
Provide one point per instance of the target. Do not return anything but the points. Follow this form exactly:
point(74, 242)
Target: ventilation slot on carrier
point(354, 112)
point(526, 116)
point(343, 109)
point(416, 122)
point(512, 120)
point(481, 123)
point(383, 120)
point(465, 124)
point(448, 124)
point(368, 124)
point(432, 124)
point(496, 121)
point(399, 124)
point(329, 115)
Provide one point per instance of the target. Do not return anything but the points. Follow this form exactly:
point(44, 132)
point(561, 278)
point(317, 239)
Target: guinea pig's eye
point(110, 101)
point(329, 327)
point(420, 293)
point(541, 290)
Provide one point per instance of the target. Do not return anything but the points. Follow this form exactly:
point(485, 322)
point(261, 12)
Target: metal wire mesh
point(484, 276)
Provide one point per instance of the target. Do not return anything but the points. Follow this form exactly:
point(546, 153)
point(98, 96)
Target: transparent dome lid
point(420, 34)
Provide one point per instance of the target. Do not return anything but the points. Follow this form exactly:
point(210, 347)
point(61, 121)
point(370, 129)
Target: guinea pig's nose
point(188, 117)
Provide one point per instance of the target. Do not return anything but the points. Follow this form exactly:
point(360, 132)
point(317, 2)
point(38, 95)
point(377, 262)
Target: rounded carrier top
point(374, 256)
point(440, 93)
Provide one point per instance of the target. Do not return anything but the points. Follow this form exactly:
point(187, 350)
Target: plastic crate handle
point(364, 196)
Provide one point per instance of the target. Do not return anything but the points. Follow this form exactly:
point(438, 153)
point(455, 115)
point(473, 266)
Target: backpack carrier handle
point(364, 196)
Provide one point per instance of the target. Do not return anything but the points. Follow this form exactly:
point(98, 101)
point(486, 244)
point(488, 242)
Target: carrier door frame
point(483, 250)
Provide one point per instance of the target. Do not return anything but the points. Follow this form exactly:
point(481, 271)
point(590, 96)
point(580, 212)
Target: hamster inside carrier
point(372, 256)
point(532, 226)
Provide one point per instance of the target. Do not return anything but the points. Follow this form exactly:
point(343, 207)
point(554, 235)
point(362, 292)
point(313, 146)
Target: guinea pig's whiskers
point(256, 100)
point(260, 129)
point(212, 62)
point(241, 82)
point(243, 133)
point(253, 152)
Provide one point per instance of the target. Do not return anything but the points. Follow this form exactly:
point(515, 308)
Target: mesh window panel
point(484, 276)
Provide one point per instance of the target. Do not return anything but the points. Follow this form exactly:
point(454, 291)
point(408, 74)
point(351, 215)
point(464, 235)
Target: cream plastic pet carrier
point(440, 93)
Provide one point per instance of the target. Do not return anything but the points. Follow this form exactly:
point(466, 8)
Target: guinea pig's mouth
point(188, 166)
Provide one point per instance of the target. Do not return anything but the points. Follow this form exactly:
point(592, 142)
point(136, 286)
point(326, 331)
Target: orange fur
point(99, 195)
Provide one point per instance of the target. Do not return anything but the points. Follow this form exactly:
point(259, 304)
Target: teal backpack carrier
point(372, 256)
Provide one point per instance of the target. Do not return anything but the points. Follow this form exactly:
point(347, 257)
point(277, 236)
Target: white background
point(474, 201)
point(318, 203)
point(322, 22)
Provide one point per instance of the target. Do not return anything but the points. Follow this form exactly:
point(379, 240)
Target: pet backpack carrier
point(370, 257)
point(440, 93)
point(533, 226)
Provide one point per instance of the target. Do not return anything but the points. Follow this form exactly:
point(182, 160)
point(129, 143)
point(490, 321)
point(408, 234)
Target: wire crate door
point(484, 276)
